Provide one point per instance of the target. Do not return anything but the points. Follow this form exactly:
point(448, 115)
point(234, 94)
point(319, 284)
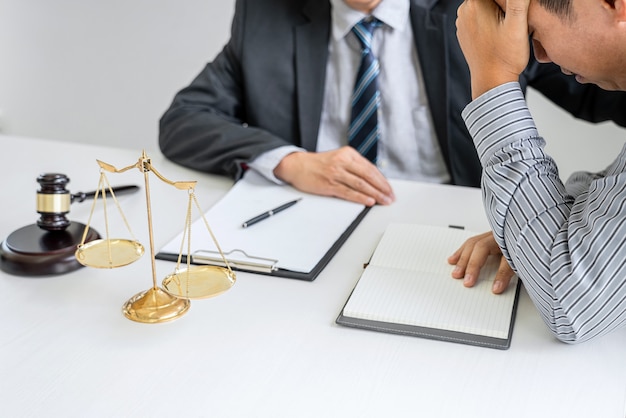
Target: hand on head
point(494, 40)
point(342, 173)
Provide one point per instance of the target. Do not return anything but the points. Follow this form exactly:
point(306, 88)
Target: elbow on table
point(569, 338)
point(571, 334)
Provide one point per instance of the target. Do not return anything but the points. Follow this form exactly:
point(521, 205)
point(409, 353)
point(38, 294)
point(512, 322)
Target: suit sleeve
point(205, 126)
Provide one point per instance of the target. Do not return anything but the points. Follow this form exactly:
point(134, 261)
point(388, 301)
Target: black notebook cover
point(434, 333)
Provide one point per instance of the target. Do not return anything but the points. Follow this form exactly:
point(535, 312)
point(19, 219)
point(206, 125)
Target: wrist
point(285, 166)
point(485, 81)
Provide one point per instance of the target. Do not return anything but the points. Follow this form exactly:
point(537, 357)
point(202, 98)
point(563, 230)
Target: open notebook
point(295, 243)
point(407, 289)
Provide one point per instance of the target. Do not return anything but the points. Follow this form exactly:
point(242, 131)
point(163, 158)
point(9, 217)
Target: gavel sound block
point(48, 247)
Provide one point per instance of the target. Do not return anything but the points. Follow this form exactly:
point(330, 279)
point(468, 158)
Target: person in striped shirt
point(566, 241)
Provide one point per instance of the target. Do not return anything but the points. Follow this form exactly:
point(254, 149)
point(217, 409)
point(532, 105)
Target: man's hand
point(472, 255)
point(342, 173)
point(494, 40)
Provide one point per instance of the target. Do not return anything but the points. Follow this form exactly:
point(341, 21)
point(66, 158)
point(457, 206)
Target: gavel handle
point(81, 197)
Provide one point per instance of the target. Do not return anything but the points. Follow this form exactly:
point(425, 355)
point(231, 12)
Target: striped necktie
point(363, 133)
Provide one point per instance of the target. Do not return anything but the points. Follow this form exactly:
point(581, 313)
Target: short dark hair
point(561, 8)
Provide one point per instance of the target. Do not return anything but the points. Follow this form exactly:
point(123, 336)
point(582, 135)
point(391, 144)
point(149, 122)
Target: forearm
point(544, 233)
point(205, 127)
point(195, 138)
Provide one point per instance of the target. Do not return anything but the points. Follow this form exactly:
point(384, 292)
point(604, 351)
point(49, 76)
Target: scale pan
point(109, 253)
point(199, 282)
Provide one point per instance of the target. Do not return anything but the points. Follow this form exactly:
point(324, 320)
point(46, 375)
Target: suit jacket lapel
point(429, 31)
point(311, 56)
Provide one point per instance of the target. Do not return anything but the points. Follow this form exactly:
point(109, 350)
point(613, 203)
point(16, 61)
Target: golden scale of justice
point(54, 246)
point(172, 300)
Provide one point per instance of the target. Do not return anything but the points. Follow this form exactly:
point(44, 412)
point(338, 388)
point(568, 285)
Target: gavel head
point(53, 201)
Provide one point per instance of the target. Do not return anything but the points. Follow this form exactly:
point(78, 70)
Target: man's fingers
point(516, 15)
point(474, 262)
point(342, 173)
point(503, 277)
point(454, 258)
point(366, 178)
point(472, 254)
point(471, 257)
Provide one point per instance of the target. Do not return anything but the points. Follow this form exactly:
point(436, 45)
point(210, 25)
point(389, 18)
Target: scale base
point(32, 251)
point(155, 306)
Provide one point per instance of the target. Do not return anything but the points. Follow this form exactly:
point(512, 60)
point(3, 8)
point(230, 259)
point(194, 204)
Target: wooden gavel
point(54, 200)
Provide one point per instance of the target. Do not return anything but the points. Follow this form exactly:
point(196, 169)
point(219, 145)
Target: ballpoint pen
point(269, 213)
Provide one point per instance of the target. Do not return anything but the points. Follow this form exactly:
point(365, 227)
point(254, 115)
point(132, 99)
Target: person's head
point(586, 38)
point(365, 6)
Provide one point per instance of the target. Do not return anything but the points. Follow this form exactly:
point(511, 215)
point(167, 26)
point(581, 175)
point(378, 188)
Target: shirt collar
point(394, 13)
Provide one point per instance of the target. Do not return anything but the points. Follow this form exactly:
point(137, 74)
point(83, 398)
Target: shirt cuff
point(265, 163)
point(497, 118)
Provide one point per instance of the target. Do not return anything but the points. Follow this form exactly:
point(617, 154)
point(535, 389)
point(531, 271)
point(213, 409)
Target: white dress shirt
point(408, 147)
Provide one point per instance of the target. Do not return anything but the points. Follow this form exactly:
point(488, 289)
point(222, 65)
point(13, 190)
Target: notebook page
point(408, 282)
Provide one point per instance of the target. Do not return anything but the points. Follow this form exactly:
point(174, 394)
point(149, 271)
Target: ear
point(618, 7)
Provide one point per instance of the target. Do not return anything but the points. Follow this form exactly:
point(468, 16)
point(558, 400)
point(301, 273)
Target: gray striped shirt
point(566, 242)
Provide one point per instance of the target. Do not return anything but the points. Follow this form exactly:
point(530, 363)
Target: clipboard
point(296, 243)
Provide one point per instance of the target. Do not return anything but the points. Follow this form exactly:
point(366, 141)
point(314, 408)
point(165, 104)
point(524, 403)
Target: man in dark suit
point(274, 98)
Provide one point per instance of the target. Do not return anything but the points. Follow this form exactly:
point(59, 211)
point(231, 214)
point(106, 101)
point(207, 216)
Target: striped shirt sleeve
point(568, 245)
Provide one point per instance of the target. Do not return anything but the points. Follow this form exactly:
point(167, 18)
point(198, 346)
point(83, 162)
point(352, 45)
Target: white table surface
point(269, 347)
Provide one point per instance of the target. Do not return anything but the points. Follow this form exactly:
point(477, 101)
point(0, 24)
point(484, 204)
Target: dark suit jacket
point(265, 89)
